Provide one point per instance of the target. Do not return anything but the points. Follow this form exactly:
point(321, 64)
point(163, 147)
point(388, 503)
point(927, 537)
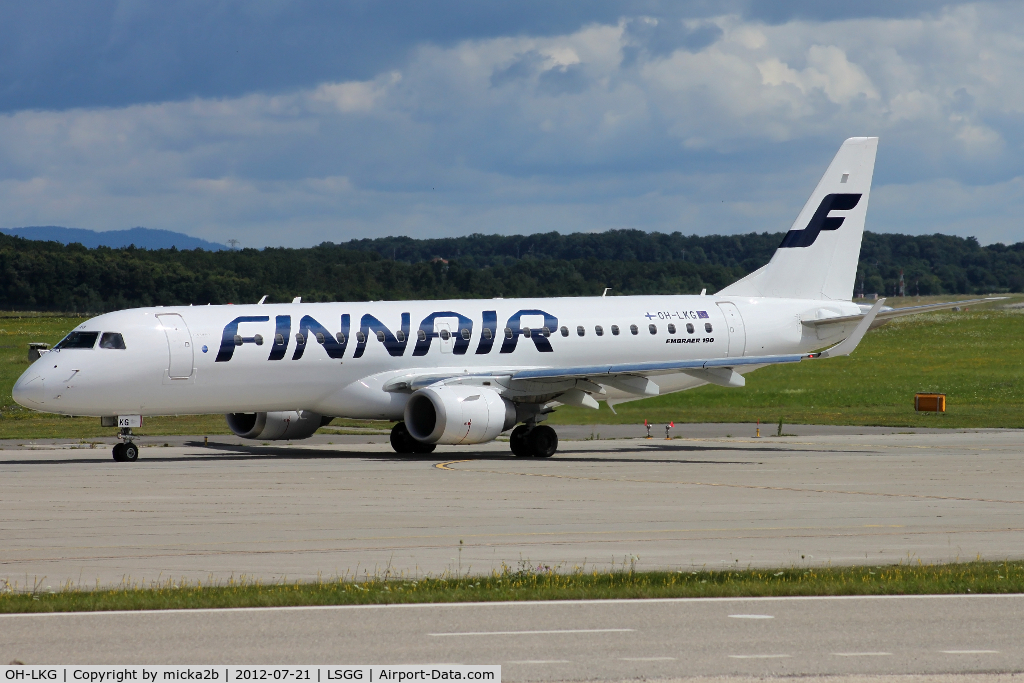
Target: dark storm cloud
point(57, 55)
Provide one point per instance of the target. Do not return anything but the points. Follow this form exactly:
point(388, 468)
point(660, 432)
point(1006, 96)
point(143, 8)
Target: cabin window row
point(652, 328)
point(466, 334)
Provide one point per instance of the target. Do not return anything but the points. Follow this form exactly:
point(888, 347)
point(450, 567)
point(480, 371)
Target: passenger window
point(78, 340)
point(546, 331)
point(445, 334)
point(634, 329)
point(580, 331)
point(508, 333)
point(299, 339)
point(421, 335)
point(465, 333)
point(689, 327)
point(615, 330)
point(340, 337)
point(279, 339)
point(527, 332)
point(707, 327)
point(321, 339)
point(671, 328)
point(564, 331)
point(598, 330)
point(400, 336)
point(380, 335)
point(487, 333)
point(237, 339)
point(111, 340)
point(360, 337)
point(653, 328)
point(258, 339)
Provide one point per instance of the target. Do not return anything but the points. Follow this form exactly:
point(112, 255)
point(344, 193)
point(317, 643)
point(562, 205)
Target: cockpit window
point(78, 340)
point(111, 340)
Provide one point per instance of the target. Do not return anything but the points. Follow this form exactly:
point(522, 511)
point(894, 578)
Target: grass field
point(540, 583)
point(975, 357)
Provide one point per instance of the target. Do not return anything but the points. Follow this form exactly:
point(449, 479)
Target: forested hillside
point(51, 276)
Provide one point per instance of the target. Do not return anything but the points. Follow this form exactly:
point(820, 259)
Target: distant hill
point(142, 238)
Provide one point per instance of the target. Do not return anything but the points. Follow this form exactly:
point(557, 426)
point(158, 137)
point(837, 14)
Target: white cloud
point(723, 127)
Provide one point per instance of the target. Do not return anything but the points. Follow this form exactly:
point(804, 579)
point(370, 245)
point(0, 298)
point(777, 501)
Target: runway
point(588, 640)
point(301, 511)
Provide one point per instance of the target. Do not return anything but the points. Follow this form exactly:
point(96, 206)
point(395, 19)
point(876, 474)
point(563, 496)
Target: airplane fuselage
point(342, 359)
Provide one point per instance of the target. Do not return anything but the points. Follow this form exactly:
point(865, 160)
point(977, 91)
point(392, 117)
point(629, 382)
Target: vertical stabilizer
point(818, 257)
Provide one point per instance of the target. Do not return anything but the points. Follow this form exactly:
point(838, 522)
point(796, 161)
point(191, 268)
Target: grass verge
point(541, 583)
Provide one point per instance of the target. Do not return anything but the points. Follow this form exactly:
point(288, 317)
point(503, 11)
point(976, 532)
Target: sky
point(290, 123)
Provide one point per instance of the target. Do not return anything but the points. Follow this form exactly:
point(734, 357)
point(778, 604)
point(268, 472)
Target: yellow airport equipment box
point(932, 403)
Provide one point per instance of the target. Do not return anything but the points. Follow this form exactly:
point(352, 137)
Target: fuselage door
point(179, 346)
point(734, 327)
point(444, 336)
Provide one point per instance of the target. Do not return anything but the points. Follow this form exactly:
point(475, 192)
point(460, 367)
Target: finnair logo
point(821, 220)
point(455, 334)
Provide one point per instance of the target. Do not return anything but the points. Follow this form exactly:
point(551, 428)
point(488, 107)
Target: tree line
point(50, 276)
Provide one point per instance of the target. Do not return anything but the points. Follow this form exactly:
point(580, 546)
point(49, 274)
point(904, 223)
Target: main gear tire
point(518, 444)
point(543, 441)
point(401, 439)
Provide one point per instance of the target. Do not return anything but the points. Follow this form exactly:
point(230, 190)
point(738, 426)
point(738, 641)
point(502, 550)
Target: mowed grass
point(540, 583)
point(975, 357)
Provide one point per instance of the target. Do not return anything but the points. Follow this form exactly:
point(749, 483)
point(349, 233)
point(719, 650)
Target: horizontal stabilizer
point(846, 347)
point(889, 314)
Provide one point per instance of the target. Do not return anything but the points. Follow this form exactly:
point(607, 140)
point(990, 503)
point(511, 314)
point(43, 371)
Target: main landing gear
point(402, 441)
point(533, 441)
point(126, 451)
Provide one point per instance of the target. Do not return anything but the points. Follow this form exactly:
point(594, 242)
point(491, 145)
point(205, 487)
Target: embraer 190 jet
point(464, 371)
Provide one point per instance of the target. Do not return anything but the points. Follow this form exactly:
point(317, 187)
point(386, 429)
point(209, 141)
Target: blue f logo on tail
point(821, 220)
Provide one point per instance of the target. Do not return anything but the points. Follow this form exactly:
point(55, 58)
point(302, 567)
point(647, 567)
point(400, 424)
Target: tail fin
point(818, 257)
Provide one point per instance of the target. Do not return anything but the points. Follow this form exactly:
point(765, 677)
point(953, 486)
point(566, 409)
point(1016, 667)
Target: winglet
point(846, 347)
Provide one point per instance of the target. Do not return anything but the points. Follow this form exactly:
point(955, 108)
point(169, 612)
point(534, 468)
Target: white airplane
point(462, 372)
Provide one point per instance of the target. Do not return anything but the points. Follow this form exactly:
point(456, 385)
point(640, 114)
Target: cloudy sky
point(291, 123)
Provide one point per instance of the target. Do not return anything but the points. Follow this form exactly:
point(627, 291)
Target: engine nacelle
point(288, 424)
point(458, 414)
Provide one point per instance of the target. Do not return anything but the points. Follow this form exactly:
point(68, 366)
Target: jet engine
point(458, 414)
point(287, 424)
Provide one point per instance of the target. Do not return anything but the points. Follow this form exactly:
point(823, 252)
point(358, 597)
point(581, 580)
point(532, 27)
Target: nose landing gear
point(127, 451)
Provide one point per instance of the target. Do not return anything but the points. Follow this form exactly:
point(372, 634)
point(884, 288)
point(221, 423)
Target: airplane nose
point(28, 391)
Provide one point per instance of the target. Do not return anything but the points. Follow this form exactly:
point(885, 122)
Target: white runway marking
point(541, 661)
point(758, 656)
point(861, 654)
point(648, 659)
point(528, 633)
point(751, 616)
point(970, 652)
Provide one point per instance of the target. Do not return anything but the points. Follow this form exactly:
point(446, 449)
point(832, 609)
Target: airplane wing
point(889, 314)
